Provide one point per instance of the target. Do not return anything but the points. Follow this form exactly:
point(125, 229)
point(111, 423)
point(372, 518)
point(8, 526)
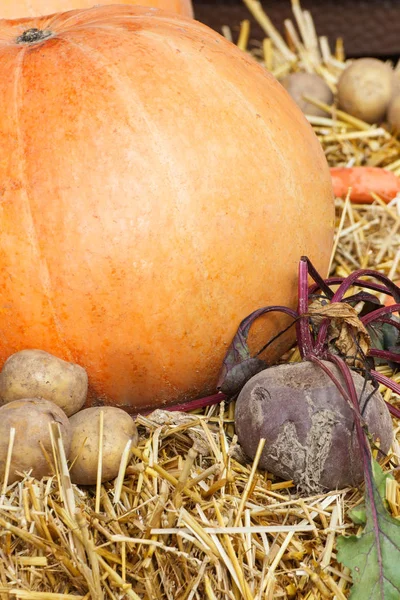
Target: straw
point(189, 516)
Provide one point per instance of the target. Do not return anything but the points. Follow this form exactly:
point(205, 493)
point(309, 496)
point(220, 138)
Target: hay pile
point(347, 141)
point(187, 518)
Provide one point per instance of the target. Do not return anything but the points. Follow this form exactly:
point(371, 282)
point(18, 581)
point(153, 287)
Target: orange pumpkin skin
point(18, 9)
point(156, 186)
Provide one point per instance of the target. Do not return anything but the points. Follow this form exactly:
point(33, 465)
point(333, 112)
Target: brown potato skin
point(31, 418)
point(119, 427)
point(393, 115)
point(396, 84)
point(308, 84)
point(308, 425)
point(365, 89)
point(38, 374)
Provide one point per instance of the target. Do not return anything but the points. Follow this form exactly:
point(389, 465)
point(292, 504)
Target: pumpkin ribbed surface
point(18, 9)
point(156, 186)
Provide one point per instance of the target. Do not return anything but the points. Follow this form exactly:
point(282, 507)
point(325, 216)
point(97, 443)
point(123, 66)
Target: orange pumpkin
point(17, 9)
point(156, 186)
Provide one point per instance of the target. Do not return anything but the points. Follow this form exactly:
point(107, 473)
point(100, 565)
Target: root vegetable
point(363, 181)
point(396, 84)
point(308, 425)
point(365, 89)
point(300, 84)
point(38, 374)
point(393, 115)
point(119, 428)
point(31, 418)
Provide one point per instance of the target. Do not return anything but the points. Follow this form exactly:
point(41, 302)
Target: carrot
point(363, 181)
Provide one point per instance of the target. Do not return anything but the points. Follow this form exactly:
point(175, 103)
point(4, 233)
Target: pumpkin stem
point(31, 36)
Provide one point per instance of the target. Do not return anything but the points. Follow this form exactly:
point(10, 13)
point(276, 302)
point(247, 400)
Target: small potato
point(31, 418)
point(119, 428)
point(301, 84)
point(365, 89)
point(393, 114)
point(396, 84)
point(38, 374)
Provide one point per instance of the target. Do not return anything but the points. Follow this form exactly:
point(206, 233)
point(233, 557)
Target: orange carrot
point(363, 181)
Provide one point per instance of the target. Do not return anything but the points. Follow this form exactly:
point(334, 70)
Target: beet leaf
point(373, 556)
point(384, 333)
point(358, 514)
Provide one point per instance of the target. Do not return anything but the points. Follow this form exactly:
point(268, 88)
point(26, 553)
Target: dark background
point(368, 27)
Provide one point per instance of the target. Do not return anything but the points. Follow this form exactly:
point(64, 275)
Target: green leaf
point(358, 514)
point(374, 556)
point(384, 336)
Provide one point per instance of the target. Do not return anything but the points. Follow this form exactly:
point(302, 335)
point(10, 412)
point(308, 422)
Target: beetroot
point(308, 425)
point(318, 417)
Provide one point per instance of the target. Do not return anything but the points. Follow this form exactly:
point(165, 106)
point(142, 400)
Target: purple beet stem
point(380, 312)
point(198, 403)
point(304, 338)
point(366, 458)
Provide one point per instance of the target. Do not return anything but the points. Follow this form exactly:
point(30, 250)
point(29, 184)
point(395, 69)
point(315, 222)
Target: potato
point(365, 89)
point(119, 427)
point(307, 84)
point(31, 418)
point(396, 84)
point(393, 114)
point(308, 425)
point(38, 374)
